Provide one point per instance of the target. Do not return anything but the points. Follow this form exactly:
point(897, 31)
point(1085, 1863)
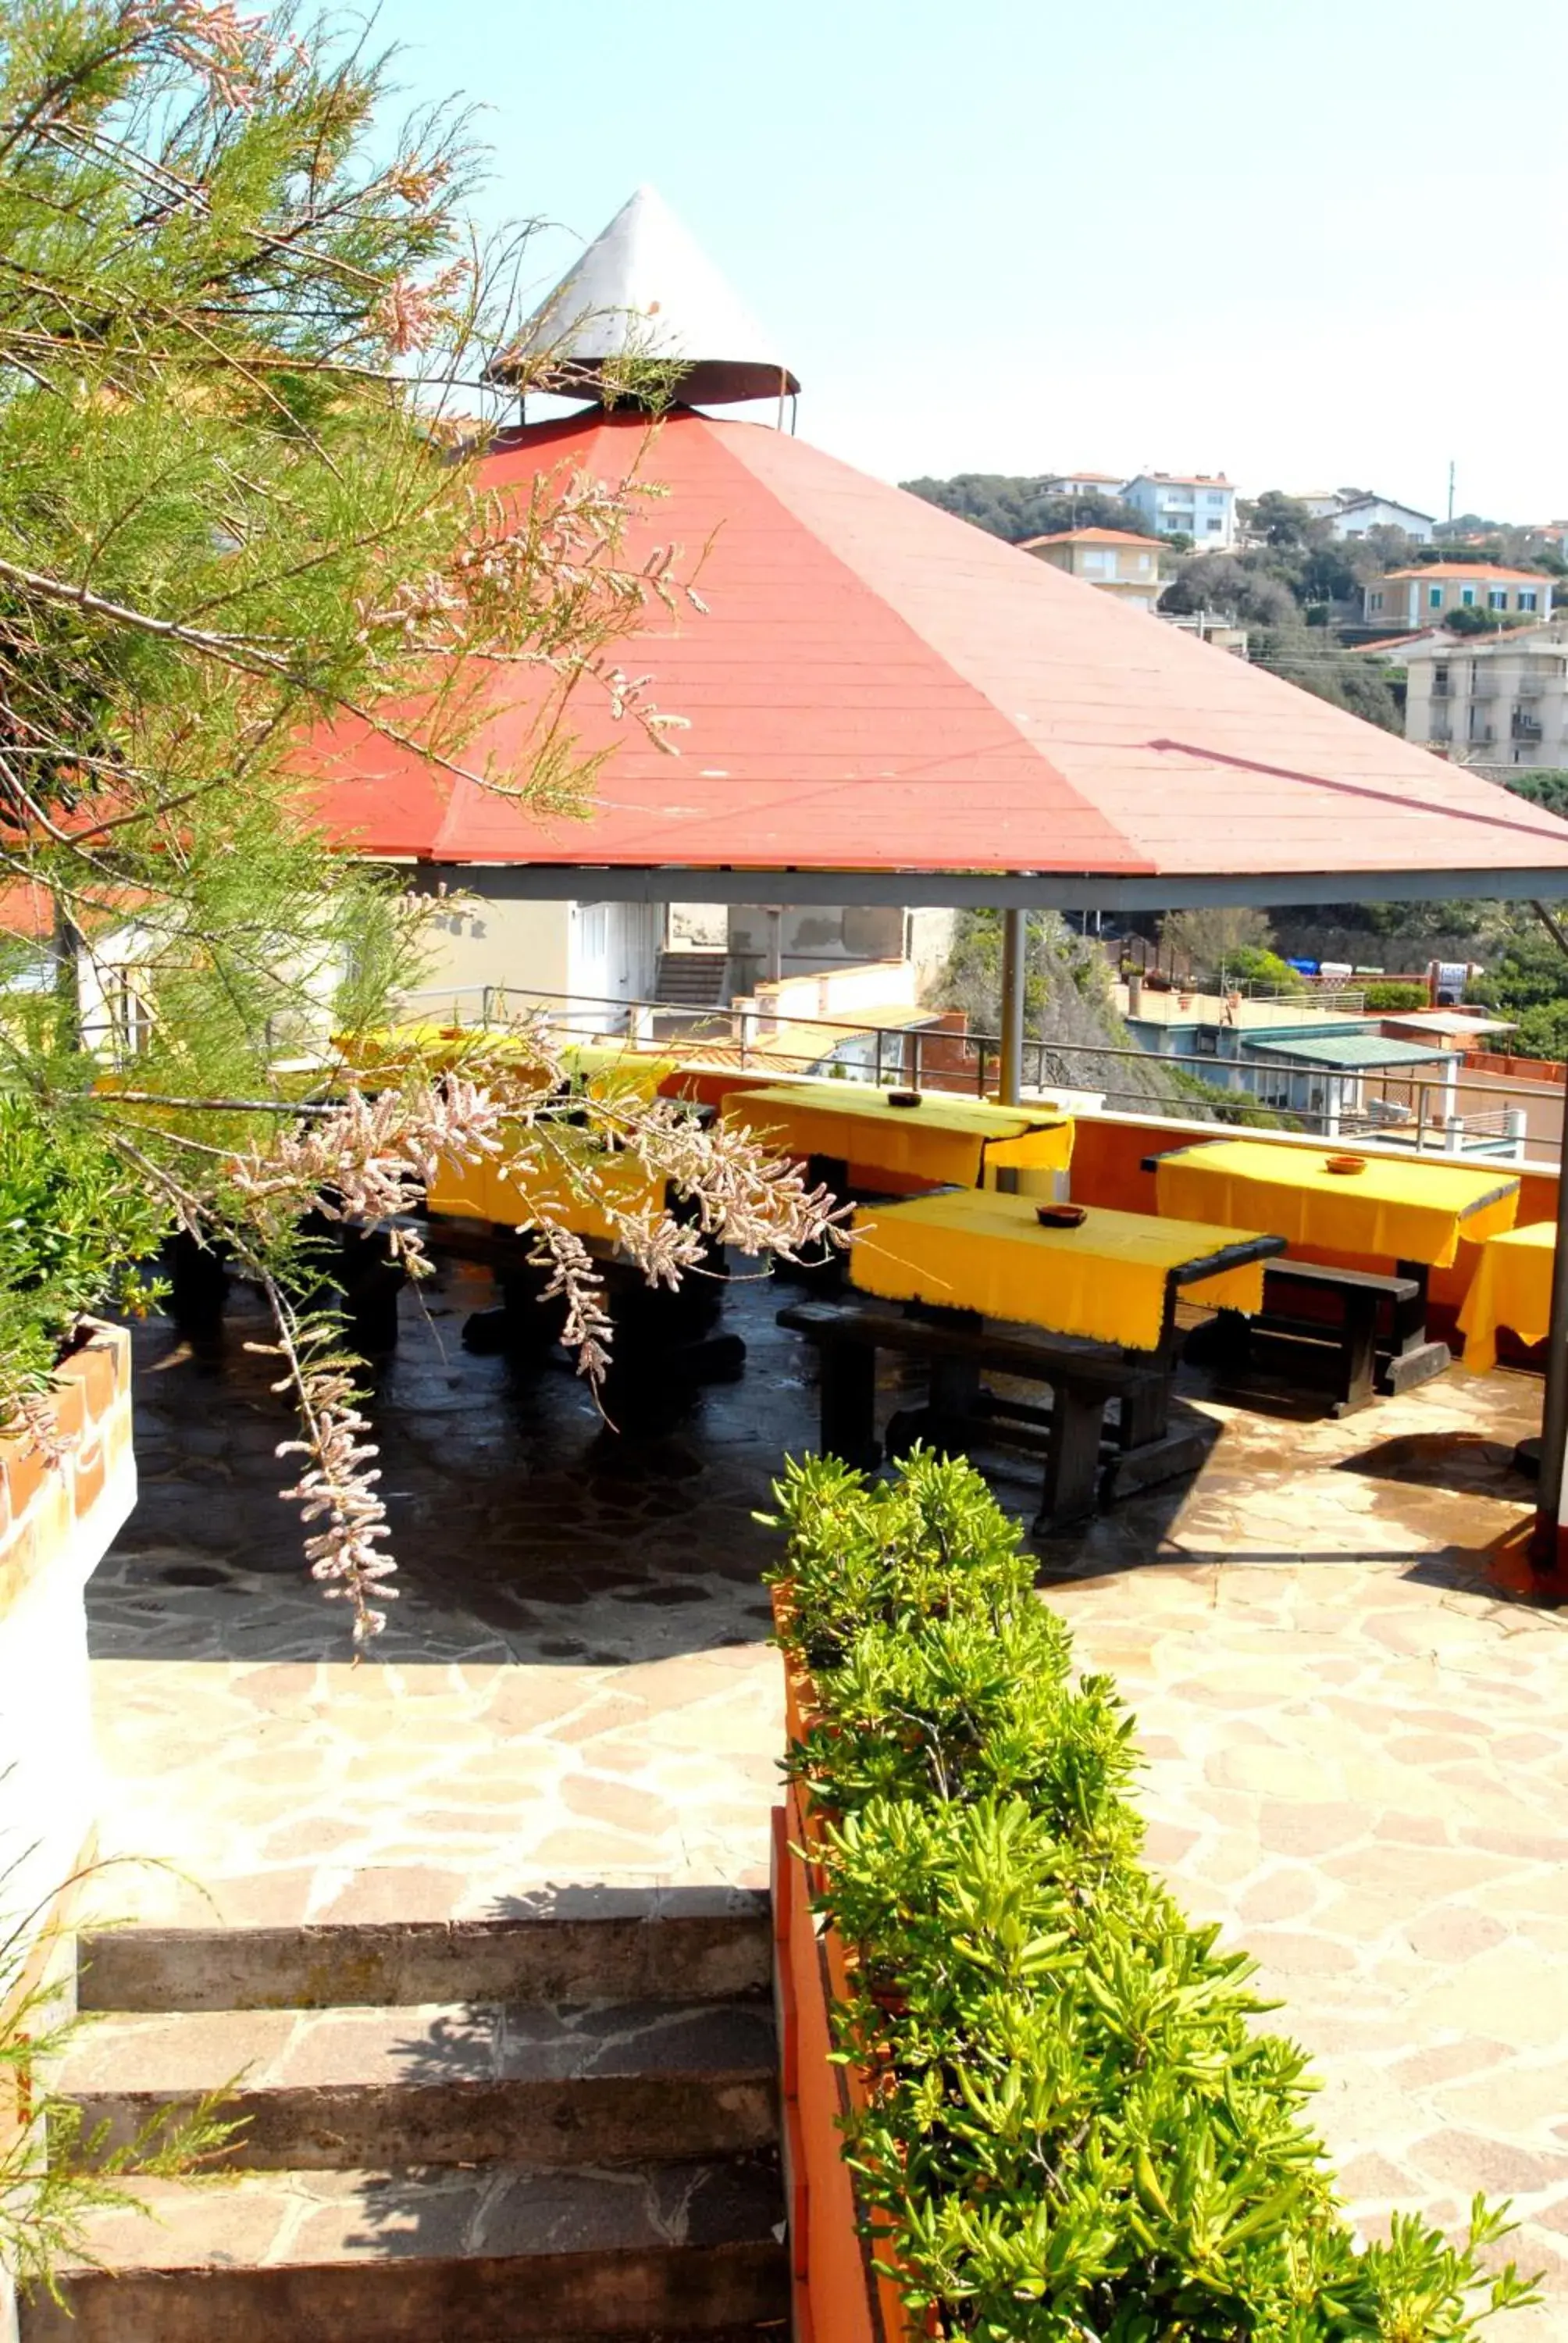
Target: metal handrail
point(898, 1053)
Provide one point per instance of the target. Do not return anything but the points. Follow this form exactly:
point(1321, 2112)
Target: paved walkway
point(1355, 1751)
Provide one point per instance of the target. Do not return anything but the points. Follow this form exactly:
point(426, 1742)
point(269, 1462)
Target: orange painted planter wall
point(838, 2296)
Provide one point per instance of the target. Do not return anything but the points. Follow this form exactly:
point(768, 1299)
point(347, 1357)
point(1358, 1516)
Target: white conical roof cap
point(645, 286)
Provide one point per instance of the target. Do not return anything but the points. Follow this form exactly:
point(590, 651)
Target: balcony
point(1525, 727)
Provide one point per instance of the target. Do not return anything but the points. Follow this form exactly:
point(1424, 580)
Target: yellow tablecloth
point(972, 1248)
point(949, 1140)
point(1398, 1212)
point(511, 1194)
point(1511, 1287)
point(599, 1068)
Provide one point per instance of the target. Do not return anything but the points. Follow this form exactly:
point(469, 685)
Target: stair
point(504, 2132)
point(691, 979)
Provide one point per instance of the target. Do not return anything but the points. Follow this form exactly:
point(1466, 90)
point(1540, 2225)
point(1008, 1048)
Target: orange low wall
point(1107, 1156)
point(1106, 1169)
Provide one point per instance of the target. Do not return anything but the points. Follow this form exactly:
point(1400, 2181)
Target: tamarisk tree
point(236, 314)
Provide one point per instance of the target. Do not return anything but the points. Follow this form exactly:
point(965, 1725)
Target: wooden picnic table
point(1413, 1213)
point(945, 1140)
point(1511, 1287)
point(1112, 1279)
point(1087, 1311)
point(507, 1192)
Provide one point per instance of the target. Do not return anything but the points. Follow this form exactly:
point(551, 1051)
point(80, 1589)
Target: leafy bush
point(1253, 964)
point(1075, 2129)
point(1396, 996)
point(73, 1226)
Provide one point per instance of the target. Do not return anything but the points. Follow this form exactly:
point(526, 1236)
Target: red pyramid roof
point(880, 687)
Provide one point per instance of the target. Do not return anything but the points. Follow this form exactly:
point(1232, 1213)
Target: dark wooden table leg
point(1358, 1353)
point(1414, 1358)
point(1071, 1485)
point(850, 1404)
point(1145, 1414)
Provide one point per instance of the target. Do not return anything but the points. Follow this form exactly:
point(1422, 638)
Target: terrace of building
point(1352, 1730)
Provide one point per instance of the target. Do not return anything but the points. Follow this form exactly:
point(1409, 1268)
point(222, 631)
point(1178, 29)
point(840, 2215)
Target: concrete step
point(691, 979)
point(531, 2083)
point(681, 1945)
point(503, 2256)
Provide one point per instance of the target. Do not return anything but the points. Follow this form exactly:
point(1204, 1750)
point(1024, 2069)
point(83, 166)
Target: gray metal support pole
point(1014, 933)
point(1554, 1408)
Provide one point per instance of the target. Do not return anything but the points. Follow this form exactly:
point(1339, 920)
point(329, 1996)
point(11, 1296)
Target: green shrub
point(73, 1225)
point(1253, 964)
point(1396, 996)
point(1077, 2134)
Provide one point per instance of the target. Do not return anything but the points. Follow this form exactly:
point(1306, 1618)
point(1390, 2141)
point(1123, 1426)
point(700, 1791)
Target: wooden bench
point(958, 1347)
point(1360, 1299)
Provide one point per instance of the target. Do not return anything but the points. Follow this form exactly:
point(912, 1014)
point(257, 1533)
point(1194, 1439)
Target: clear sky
point(1307, 242)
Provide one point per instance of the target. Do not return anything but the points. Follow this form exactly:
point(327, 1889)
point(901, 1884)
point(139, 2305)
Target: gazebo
point(887, 706)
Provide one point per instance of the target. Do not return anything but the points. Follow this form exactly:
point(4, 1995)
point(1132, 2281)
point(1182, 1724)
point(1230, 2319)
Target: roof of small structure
point(1092, 536)
point(881, 690)
point(645, 288)
point(1352, 1052)
point(1469, 570)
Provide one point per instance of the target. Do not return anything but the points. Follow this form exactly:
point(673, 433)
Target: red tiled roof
point(878, 686)
point(1474, 569)
point(1092, 536)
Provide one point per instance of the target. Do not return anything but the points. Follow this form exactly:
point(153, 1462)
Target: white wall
point(1381, 515)
point(471, 942)
point(1165, 506)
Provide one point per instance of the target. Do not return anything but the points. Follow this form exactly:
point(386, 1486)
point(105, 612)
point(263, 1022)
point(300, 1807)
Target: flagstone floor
point(1357, 1759)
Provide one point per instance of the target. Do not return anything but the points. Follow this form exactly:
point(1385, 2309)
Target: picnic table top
point(1414, 1211)
point(947, 1138)
point(1109, 1279)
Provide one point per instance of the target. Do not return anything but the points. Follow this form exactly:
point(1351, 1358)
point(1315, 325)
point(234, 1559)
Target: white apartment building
point(1201, 505)
point(1492, 700)
point(1353, 517)
point(1082, 484)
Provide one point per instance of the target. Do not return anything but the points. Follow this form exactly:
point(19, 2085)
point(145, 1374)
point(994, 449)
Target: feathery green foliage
point(235, 304)
point(56, 2171)
point(1076, 2132)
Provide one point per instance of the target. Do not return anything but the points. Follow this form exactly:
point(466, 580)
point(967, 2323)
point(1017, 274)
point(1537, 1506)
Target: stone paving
point(1355, 1747)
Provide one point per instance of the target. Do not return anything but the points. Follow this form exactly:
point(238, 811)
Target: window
point(1376, 603)
point(1497, 598)
point(1215, 525)
point(1440, 679)
point(1527, 597)
point(1434, 598)
point(1143, 565)
point(1215, 497)
point(1467, 597)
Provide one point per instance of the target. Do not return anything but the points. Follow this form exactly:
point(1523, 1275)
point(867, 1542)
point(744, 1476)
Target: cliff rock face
point(1067, 1006)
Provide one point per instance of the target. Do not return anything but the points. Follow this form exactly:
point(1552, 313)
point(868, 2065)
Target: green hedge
point(1389, 993)
point(74, 1228)
point(1079, 2133)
